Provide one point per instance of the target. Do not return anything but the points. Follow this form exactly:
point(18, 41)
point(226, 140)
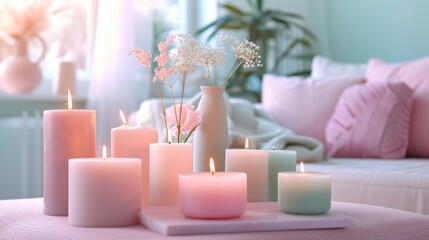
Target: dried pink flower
point(142, 56)
point(162, 74)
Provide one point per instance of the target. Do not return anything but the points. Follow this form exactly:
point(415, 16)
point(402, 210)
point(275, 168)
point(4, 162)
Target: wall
point(355, 30)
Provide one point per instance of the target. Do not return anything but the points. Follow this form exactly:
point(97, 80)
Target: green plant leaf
point(216, 23)
point(287, 14)
point(232, 9)
point(285, 23)
point(260, 4)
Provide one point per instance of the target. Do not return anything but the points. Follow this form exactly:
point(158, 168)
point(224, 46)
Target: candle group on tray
point(109, 192)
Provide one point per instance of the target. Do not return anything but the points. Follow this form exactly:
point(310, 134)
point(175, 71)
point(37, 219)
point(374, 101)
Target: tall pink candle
point(133, 142)
point(67, 134)
point(211, 195)
point(167, 161)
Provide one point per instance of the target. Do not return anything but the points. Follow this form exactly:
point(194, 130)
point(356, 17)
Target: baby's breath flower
point(246, 52)
point(188, 53)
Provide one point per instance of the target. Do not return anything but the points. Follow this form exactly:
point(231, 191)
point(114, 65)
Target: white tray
point(262, 216)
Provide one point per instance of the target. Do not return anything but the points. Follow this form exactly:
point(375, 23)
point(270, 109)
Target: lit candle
point(255, 164)
point(213, 195)
point(279, 161)
point(167, 161)
point(67, 134)
point(133, 142)
point(304, 192)
point(104, 192)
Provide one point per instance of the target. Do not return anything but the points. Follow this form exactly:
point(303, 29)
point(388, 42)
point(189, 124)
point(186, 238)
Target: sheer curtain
point(112, 84)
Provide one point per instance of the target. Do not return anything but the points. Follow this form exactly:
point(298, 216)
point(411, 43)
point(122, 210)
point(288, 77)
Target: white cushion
point(322, 67)
point(400, 184)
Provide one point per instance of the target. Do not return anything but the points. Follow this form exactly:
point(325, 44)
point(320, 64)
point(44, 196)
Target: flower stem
point(181, 106)
point(231, 71)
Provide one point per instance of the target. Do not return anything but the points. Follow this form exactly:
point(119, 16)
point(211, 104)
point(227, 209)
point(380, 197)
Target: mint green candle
point(279, 161)
point(304, 193)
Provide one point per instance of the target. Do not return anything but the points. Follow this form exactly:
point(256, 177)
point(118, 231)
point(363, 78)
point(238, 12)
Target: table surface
point(24, 219)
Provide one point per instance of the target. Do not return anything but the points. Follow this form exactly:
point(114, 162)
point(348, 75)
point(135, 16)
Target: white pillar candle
point(255, 164)
point(213, 195)
point(304, 192)
point(104, 192)
point(67, 134)
point(166, 162)
point(133, 142)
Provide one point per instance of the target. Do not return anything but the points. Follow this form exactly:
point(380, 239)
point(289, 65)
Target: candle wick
point(169, 142)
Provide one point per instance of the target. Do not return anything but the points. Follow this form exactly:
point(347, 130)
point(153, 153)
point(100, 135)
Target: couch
point(355, 129)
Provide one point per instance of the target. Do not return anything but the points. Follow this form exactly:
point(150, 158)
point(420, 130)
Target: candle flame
point(69, 103)
point(246, 145)
point(104, 153)
point(302, 168)
point(124, 121)
point(212, 167)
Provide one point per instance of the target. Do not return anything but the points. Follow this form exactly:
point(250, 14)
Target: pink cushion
point(371, 120)
point(304, 106)
point(416, 75)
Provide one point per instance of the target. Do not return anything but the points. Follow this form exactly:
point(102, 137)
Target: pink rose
point(190, 119)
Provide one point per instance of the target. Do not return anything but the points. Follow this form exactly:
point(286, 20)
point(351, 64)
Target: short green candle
point(279, 161)
point(304, 193)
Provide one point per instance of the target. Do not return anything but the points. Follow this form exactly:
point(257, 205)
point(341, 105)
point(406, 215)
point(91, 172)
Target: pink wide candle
point(211, 195)
point(133, 142)
point(67, 134)
point(104, 192)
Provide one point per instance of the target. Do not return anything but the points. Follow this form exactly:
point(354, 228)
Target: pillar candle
point(67, 134)
point(166, 162)
point(213, 195)
point(133, 142)
point(104, 192)
point(279, 161)
point(304, 193)
point(255, 164)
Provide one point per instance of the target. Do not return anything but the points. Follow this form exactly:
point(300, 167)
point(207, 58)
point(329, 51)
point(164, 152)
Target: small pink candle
point(104, 192)
point(211, 195)
point(133, 142)
point(67, 134)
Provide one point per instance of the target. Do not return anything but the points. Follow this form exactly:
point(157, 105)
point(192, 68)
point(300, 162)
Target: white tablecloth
point(24, 219)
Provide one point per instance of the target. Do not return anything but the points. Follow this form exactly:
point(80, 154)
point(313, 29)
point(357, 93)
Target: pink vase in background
point(211, 137)
point(18, 74)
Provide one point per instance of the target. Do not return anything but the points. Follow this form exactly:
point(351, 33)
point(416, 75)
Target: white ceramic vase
point(211, 137)
point(18, 74)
